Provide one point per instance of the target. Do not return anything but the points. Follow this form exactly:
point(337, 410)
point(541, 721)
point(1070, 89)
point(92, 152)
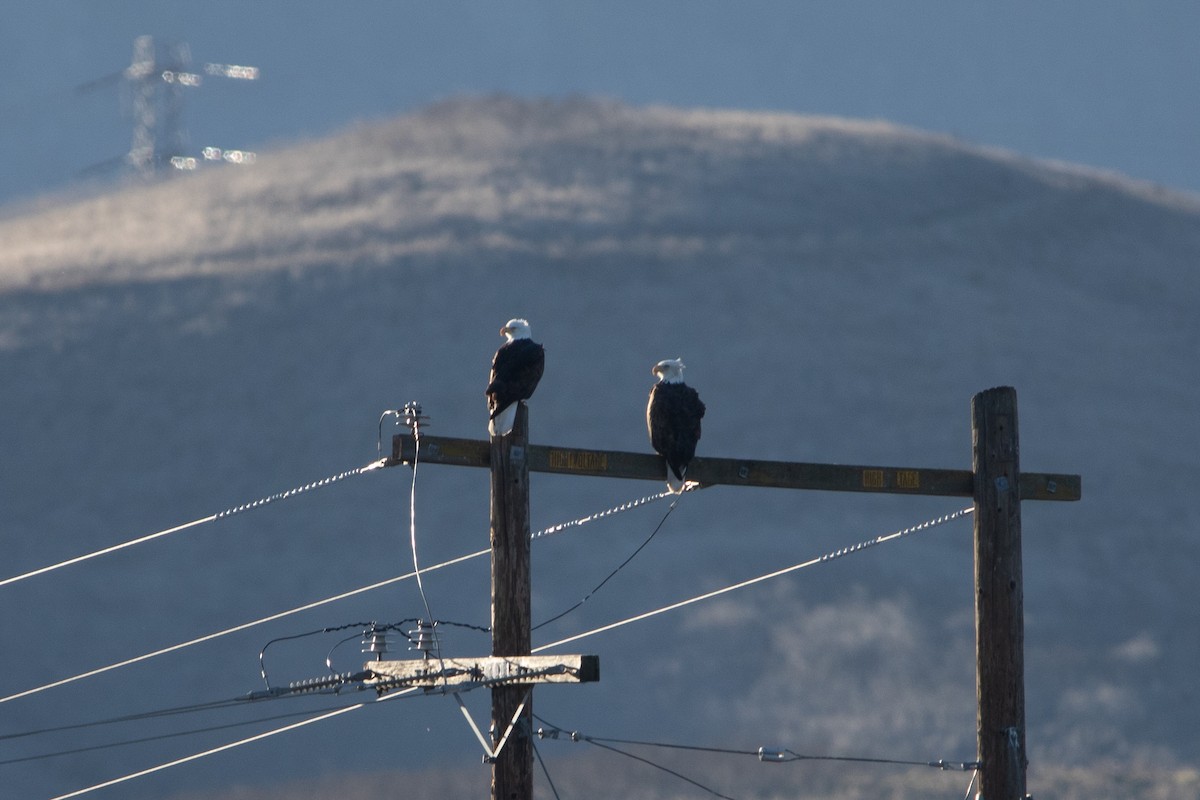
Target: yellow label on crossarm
point(873, 479)
point(578, 460)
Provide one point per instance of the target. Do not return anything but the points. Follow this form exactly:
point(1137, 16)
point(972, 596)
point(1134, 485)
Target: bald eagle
point(516, 369)
point(673, 417)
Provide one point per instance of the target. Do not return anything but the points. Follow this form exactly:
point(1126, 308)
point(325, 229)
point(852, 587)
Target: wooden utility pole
point(511, 671)
point(995, 482)
point(512, 767)
point(999, 602)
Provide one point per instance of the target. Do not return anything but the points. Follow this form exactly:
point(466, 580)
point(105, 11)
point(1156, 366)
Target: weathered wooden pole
point(512, 769)
point(999, 602)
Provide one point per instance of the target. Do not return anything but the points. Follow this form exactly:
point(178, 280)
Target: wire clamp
point(555, 733)
point(960, 766)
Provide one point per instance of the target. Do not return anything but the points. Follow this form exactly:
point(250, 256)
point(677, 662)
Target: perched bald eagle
point(673, 416)
point(516, 369)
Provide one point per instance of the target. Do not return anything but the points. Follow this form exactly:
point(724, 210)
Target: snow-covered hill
point(839, 290)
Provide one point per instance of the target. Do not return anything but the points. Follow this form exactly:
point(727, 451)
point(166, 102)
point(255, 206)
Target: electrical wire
point(231, 745)
point(762, 754)
point(155, 737)
point(620, 567)
point(211, 751)
point(326, 601)
point(237, 628)
point(262, 664)
point(143, 715)
point(828, 556)
point(453, 562)
point(618, 509)
point(667, 770)
point(415, 419)
point(412, 530)
point(545, 771)
point(229, 512)
point(296, 690)
point(971, 785)
point(407, 692)
point(961, 766)
point(777, 573)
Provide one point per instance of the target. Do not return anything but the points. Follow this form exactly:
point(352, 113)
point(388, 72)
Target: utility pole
point(511, 671)
point(999, 597)
point(995, 483)
point(512, 767)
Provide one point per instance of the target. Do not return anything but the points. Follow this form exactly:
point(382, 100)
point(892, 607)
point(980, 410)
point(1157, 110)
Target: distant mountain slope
point(838, 290)
point(501, 178)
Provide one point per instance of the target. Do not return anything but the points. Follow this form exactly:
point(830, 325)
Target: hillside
point(839, 290)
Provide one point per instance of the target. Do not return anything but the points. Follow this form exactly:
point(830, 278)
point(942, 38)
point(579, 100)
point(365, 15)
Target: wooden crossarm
point(710, 471)
point(489, 670)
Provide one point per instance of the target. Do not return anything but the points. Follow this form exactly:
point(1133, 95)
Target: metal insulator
point(412, 417)
point(375, 641)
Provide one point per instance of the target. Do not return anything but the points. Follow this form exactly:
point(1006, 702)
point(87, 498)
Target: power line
point(667, 770)
point(334, 684)
point(621, 566)
point(212, 751)
point(628, 506)
point(469, 556)
point(231, 745)
point(971, 785)
point(763, 754)
point(413, 418)
point(821, 559)
point(412, 515)
point(784, 755)
point(618, 509)
point(407, 692)
point(143, 715)
point(229, 512)
point(545, 771)
point(605, 744)
point(575, 736)
point(778, 573)
point(236, 628)
point(153, 738)
point(107, 550)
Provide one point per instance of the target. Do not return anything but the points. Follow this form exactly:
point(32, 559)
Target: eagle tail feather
point(501, 423)
point(676, 482)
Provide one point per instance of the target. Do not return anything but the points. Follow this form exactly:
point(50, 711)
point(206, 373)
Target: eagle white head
point(669, 370)
point(515, 329)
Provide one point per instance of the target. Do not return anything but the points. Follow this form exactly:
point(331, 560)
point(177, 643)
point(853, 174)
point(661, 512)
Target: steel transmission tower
point(156, 90)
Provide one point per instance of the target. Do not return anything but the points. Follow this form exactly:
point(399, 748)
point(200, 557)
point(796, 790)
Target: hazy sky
point(1109, 84)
